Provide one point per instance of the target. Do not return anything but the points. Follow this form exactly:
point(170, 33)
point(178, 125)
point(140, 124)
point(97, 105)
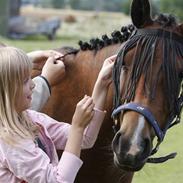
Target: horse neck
point(81, 73)
point(87, 65)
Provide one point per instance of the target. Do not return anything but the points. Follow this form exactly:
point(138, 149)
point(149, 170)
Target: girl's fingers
point(52, 53)
point(90, 107)
point(88, 102)
point(83, 100)
point(112, 58)
point(60, 56)
point(50, 59)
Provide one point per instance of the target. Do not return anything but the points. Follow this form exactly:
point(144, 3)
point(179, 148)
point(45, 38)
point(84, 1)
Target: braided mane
point(166, 20)
point(116, 37)
point(122, 35)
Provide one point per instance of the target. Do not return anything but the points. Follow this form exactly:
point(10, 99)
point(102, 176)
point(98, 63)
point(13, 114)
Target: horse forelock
point(143, 64)
point(166, 20)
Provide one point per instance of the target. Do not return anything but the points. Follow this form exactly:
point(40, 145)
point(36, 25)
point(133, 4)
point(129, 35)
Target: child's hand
point(39, 57)
point(53, 70)
point(105, 74)
point(83, 113)
point(52, 53)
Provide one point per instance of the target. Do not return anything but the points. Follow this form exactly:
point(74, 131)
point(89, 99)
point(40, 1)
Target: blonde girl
point(29, 139)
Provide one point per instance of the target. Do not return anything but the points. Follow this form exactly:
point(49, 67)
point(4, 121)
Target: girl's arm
point(41, 94)
point(52, 73)
point(82, 116)
point(99, 98)
point(39, 57)
point(102, 84)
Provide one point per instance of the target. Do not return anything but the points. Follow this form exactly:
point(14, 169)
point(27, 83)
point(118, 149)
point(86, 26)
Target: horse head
point(147, 79)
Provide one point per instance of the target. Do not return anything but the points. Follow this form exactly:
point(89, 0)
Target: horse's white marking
point(135, 141)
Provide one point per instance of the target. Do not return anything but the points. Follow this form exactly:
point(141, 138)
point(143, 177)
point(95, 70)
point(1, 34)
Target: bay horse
point(147, 93)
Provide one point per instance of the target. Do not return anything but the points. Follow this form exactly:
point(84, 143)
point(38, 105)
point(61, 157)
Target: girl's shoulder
point(37, 116)
point(41, 118)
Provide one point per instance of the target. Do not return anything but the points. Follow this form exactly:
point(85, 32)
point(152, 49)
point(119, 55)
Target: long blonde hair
point(14, 66)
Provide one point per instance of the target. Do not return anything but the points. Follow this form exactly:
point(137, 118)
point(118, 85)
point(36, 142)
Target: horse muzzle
point(130, 157)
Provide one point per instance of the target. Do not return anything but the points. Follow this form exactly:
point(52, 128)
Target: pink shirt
point(30, 163)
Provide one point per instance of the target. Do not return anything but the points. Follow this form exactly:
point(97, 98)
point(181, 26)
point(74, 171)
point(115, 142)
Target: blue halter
point(146, 113)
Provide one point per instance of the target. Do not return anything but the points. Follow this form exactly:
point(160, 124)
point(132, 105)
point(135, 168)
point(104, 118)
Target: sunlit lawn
point(39, 42)
point(170, 171)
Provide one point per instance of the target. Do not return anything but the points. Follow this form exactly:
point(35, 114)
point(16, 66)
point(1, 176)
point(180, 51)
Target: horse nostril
point(116, 143)
point(146, 148)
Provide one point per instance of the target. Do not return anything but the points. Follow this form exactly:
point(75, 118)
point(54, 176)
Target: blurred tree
point(98, 5)
point(172, 6)
point(15, 7)
point(126, 6)
point(58, 3)
point(75, 4)
point(4, 16)
point(114, 5)
point(88, 4)
point(46, 3)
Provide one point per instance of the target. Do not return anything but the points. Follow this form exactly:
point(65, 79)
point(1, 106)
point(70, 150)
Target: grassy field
point(170, 171)
point(92, 24)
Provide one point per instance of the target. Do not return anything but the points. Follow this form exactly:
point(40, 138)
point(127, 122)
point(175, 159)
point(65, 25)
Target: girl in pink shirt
point(28, 139)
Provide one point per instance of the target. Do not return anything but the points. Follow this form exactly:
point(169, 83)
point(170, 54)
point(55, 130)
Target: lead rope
point(160, 159)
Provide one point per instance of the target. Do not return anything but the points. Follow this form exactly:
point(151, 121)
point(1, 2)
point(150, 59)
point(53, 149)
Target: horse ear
point(141, 13)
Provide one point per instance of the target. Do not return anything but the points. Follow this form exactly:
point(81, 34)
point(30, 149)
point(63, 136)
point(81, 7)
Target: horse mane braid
point(116, 37)
point(166, 20)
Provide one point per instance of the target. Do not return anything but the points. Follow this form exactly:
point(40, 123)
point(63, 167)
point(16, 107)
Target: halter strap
point(145, 112)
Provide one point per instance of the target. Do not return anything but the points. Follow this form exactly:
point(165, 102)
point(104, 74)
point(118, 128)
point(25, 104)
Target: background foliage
point(169, 6)
point(172, 6)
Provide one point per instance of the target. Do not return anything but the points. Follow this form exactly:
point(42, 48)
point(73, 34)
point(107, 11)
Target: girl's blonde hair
point(14, 67)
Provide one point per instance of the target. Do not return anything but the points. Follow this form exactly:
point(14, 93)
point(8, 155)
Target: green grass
point(170, 171)
point(39, 42)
